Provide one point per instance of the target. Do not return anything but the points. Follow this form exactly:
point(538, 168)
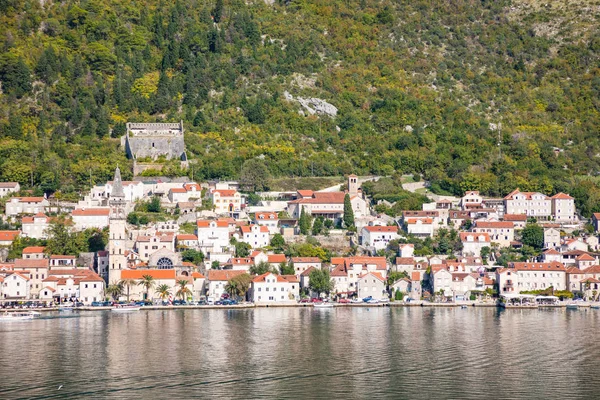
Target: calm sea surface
point(400, 353)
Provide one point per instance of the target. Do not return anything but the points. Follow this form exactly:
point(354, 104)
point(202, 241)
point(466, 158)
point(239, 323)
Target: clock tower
point(116, 236)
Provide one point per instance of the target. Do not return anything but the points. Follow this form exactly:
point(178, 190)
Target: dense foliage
point(488, 95)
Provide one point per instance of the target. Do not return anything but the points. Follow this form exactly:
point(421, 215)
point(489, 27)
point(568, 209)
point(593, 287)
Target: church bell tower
point(116, 236)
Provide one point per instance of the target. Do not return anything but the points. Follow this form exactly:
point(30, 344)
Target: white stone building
point(271, 288)
point(473, 243)
point(522, 276)
point(226, 201)
point(378, 236)
point(501, 232)
point(85, 218)
point(7, 188)
point(35, 227)
point(26, 205)
point(372, 285)
point(255, 235)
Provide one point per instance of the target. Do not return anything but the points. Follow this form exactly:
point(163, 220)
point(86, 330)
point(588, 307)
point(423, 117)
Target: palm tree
point(127, 283)
point(163, 291)
point(114, 290)
point(183, 292)
point(147, 281)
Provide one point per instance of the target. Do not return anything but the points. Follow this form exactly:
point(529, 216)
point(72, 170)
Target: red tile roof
point(30, 199)
point(524, 266)
point(515, 217)
point(562, 196)
point(306, 260)
point(33, 249)
point(225, 193)
point(177, 190)
point(155, 273)
point(381, 228)
point(88, 212)
point(222, 275)
point(206, 223)
point(261, 278)
point(307, 271)
point(374, 274)
point(187, 236)
point(276, 258)
point(248, 229)
point(6, 236)
point(465, 235)
point(494, 224)
point(31, 263)
point(405, 261)
point(197, 275)
point(266, 216)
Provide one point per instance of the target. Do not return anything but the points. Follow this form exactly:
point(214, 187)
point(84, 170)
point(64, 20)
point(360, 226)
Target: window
point(259, 289)
point(86, 285)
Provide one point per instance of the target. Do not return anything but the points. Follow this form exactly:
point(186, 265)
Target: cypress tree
point(304, 222)
point(348, 213)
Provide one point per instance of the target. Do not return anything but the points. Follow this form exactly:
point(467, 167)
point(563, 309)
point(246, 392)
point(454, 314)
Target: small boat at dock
point(125, 308)
point(323, 305)
point(19, 315)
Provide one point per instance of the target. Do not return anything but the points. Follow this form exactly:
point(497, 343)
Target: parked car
point(224, 296)
point(316, 300)
point(373, 301)
point(344, 301)
point(304, 300)
point(96, 304)
point(357, 300)
point(367, 299)
point(384, 300)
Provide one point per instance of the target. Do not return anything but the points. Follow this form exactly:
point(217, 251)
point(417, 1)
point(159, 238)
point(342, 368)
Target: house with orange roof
point(272, 288)
point(573, 244)
point(276, 260)
point(563, 208)
point(7, 237)
point(26, 205)
point(226, 201)
point(268, 219)
point(85, 218)
point(7, 188)
point(301, 264)
point(346, 271)
point(501, 232)
point(62, 261)
point(35, 227)
point(533, 204)
point(186, 240)
point(329, 205)
point(378, 237)
point(420, 227)
point(523, 276)
point(584, 261)
point(213, 235)
point(146, 245)
point(255, 235)
point(371, 284)
point(471, 199)
point(216, 281)
point(473, 243)
point(33, 252)
point(82, 285)
point(161, 277)
point(37, 270)
point(16, 286)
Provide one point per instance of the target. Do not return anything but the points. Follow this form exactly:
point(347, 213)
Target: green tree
point(215, 265)
point(114, 290)
point(218, 11)
point(238, 285)
point(154, 205)
point(242, 249)
point(147, 282)
point(485, 253)
point(183, 292)
point(320, 281)
point(127, 283)
point(348, 213)
point(317, 225)
point(255, 176)
point(533, 235)
point(277, 242)
point(60, 238)
point(261, 268)
point(194, 256)
point(286, 269)
point(15, 75)
point(304, 222)
point(398, 295)
point(163, 291)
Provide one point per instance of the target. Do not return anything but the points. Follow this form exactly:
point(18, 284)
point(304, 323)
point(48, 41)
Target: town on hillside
point(210, 242)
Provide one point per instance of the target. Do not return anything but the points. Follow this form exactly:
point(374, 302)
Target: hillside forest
point(468, 94)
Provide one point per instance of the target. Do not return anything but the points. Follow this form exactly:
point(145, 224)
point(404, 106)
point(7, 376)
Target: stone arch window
point(184, 273)
point(164, 263)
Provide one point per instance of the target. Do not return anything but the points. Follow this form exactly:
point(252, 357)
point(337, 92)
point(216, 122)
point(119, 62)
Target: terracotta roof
point(585, 257)
point(177, 190)
point(475, 235)
point(405, 261)
point(266, 216)
point(380, 262)
point(31, 263)
point(323, 198)
point(155, 273)
point(415, 276)
point(51, 279)
point(562, 196)
point(93, 277)
point(524, 266)
point(242, 261)
point(552, 252)
point(197, 275)
point(191, 186)
point(6, 236)
point(33, 249)
point(225, 193)
point(381, 228)
point(597, 215)
point(30, 199)
point(8, 185)
point(206, 223)
point(276, 258)
point(87, 212)
point(307, 271)
point(18, 274)
point(305, 193)
point(515, 217)
point(62, 257)
point(261, 278)
point(528, 195)
point(248, 229)
point(590, 280)
point(594, 269)
point(163, 238)
point(412, 221)
point(222, 275)
point(339, 271)
point(374, 274)
point(494, 225)
point(291, 278)
point(49, 288)
point(420, 213)
point(306, 260)
point(187, 236)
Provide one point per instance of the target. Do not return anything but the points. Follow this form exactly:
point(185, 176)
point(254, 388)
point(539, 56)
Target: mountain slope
point(487, 95)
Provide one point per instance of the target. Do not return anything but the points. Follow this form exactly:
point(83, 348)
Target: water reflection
point(415, 353)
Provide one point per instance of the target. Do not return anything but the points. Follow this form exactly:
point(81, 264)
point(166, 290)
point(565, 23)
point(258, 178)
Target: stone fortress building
point(150, 143)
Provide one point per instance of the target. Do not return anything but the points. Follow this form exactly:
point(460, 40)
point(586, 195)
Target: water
point(400, 353)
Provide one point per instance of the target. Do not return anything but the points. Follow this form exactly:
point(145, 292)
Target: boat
point(19, 315)
point(125, 308)
point(463, 306)
point(66, 307)
point(572, 306)
point(323, 305)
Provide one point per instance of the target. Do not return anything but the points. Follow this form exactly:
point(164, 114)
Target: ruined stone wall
point(153, 140)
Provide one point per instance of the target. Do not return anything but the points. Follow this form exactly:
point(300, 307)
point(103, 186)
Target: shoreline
point(308, 305)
